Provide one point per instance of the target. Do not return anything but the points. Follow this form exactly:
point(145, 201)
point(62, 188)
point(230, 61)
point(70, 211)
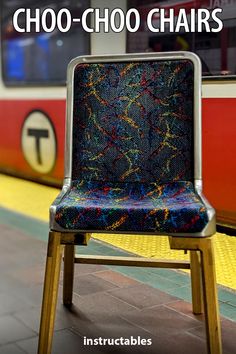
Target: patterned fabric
point(132, 157)
point(133, 122)
point(167, 208)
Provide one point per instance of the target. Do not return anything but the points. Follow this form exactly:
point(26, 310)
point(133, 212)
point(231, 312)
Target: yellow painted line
point(33, 200)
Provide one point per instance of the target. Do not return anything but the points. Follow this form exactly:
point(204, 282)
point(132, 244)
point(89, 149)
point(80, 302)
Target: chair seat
point(168, 208)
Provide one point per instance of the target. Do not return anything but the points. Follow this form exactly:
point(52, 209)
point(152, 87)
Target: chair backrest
point(133, 120)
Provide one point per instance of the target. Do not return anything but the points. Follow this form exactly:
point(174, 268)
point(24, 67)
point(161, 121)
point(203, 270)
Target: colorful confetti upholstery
point(139, 207)
point(132, 160)
point(133, 122)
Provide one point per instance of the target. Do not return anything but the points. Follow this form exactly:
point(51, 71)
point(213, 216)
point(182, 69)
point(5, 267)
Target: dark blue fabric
point(151, 207)
point(133, 150)
point(133, 122)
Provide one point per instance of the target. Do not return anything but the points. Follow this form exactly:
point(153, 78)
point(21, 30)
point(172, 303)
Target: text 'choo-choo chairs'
point(133, 165)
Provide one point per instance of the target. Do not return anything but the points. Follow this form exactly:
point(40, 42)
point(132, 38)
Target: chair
point(133, 165)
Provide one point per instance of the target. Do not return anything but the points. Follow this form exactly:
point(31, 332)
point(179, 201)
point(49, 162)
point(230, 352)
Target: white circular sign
point(38, 141)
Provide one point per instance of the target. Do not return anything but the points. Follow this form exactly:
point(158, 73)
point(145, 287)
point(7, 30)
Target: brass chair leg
point(196, 282)
point(51, 283)
point(68, 276)
point(211, 309)
point(210, 298)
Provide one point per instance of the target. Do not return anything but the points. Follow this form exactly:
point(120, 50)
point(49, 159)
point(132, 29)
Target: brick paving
point(107, 304)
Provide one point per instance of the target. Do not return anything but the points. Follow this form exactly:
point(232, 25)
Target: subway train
point(33, 91)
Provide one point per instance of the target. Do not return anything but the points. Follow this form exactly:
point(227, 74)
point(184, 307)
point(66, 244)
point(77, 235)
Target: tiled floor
point(107, 304)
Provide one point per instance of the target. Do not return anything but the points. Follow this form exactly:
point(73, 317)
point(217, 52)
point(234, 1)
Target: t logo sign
point(38, 142)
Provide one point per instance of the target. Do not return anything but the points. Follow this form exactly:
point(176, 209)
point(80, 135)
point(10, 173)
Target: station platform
point(109, 302)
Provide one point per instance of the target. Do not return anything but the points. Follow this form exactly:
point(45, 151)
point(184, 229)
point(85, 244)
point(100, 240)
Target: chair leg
point(210, 298)
point(51, 283)
point(68, 277)
point(211, 309)
point(196, 282)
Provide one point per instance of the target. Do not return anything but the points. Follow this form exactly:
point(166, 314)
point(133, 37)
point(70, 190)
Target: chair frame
point(201, 264)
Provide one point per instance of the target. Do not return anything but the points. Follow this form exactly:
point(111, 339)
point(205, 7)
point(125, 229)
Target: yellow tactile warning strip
point(26, 197)
point(33, 200)
point(158, 247)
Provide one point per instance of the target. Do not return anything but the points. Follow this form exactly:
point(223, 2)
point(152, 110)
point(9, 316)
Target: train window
point(217, 50)
point(40, 58)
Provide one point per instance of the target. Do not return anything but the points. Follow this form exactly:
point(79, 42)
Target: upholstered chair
point(133, 165)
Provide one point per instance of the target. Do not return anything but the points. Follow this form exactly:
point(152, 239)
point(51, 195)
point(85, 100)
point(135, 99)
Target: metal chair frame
point(201, 264)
